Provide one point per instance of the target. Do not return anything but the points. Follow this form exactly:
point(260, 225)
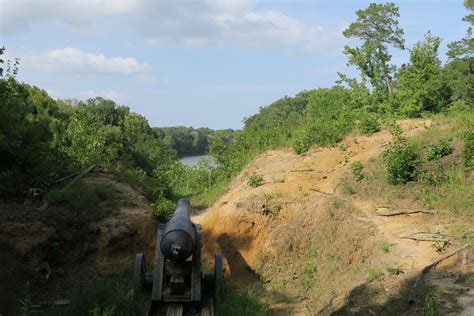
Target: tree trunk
point(389, 84)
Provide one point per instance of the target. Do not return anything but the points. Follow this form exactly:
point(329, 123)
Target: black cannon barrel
point(177, 242)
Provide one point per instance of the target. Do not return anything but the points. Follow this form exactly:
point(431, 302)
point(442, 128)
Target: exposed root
point(434, 264)
point(302, 170)
point(405, 212)
point(422, 236)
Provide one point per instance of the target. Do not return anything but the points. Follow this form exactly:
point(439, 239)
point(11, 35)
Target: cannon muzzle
point(177, 242)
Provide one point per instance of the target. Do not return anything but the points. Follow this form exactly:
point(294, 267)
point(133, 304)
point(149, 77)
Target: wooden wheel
point(218, 276)
point(139, 272)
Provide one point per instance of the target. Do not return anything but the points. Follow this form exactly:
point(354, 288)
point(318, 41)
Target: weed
point(347, 189)
point(468, 151)
point(27, 307)
point(385, 247)
point(439, 149)
point(338, 203)
point(247, 301)
point(357, 171)
point(431, 306)
point(374, 273)
point(102, 297)
point(255, 180)
point(395, 271)
point(342, 147)
point(440, 246)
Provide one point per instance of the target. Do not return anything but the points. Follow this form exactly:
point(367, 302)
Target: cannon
point(178, 285)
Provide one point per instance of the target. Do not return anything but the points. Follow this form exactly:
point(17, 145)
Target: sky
point(200, 63)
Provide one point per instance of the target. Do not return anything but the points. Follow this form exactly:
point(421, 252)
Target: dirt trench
point(298, 227)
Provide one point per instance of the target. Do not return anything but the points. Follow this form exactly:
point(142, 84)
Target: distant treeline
point(189, 141)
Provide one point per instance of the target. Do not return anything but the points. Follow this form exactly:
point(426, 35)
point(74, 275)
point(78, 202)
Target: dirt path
point(248, 225)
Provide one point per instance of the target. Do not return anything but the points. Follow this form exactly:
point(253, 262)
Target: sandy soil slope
point(305, 240)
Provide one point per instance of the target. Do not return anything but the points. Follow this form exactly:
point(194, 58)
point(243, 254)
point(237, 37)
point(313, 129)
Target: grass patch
point(385, 247)
point(247, 301)
point(102, 297)
point(374, 273)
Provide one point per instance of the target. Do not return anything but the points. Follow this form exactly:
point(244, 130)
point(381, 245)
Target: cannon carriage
point(178, 285)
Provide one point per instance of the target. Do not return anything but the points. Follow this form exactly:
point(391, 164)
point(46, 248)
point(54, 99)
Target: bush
point(468, 151)
point(357, 171)
point(439, 149)
point(301, 145)
point(369, 124)
point(255, 180)
point(164, 209)
point(402, 163)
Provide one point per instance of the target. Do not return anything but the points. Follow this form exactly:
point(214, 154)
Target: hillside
point(314, 246)
point(82, 243)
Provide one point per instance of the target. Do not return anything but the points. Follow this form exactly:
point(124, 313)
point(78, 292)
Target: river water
point(193, 160)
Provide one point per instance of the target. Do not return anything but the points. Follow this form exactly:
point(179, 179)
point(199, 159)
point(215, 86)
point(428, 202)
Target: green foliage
point(395, 271)
point(385, 247)
point(374, 273)
point(188, 141)
point(369, 124)
point(431, 306)
point(247, 301)
point(377, 27)
point(401, 159)
point(468, 150)
point(419, 85)
point(439, 149)
point(356, 168)
point(255, 180)
point(164, 209)
point(78, 204)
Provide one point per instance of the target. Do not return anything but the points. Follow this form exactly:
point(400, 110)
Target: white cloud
point(197, 22)
point(73, 60)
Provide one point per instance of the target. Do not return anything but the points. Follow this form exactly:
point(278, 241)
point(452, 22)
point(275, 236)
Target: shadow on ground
point(439, 292)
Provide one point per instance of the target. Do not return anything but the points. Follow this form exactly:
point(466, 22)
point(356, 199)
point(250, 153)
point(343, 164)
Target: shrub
point(439, 149)
point(357, 171)
point(255, 180)
point(369, 124)
point(402, 163)
point(468, 151)
point(301, 144)
point(164, 209)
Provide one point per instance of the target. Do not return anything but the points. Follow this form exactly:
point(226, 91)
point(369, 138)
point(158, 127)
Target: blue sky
point(197, 62)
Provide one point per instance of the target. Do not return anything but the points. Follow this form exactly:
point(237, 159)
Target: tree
point(464, 47)
point(458, 74)
point(377, 27)
point(419, 85)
